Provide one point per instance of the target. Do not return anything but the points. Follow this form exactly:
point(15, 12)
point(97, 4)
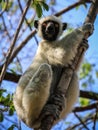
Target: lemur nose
point(50, 27)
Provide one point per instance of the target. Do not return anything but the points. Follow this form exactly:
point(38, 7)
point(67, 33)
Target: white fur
point(46, 19)
point(33, 88)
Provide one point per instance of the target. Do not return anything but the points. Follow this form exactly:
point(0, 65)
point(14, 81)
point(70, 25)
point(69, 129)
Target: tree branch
point(18, 48)
point(72, 6)
point(13, 42)
point(84, 126)
point(27, 21)
point(89, 95)
point(86, 108)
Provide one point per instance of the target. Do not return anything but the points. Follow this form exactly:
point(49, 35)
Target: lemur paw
point(88, 28)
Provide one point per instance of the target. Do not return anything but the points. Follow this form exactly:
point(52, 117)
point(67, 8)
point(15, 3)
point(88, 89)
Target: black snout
point(50, 28)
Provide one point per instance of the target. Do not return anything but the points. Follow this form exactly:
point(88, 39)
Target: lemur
point(33, 90)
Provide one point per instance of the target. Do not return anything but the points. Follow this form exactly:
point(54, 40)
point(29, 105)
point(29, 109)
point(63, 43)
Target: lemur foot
point(58, 100)
point(54, 106)
point(43, 73)
point(50, 109)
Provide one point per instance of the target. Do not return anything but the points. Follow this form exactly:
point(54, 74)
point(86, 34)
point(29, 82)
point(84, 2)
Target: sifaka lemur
point(33, 90)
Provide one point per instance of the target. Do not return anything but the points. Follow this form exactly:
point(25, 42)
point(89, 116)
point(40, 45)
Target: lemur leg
point(36, 93)
point(60, 103)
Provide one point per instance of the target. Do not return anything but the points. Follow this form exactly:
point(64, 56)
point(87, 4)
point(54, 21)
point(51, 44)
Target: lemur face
point(50, 28)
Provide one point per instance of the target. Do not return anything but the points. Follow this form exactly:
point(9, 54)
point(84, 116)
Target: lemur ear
point(64, 26)
point(36, 23)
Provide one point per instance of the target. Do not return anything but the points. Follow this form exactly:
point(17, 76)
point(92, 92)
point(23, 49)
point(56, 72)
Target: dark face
point(50, 30)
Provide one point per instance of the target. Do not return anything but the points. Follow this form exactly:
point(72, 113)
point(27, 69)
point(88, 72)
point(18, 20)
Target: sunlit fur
point(46, 19)
point(33, 88)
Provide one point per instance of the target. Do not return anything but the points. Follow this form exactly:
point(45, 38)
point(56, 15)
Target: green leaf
point(39, 6)
point(11, 127)
point(11, 111)
point(10, 4)
point(86, 69)
point(2, 91)
point(45, 6)
point(0, 1)
point(84, 101)
point(13, 71)
point(90, 79)
point(3, 4)
point(77, 7)
point(84, 84)
point(38, 10)
point(1, 117)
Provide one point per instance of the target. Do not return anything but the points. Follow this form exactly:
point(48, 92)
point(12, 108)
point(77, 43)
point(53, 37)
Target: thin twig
point(5, 27)
point(18, 48)
point(81, 121)
point(63, 11)
point(27, 21)
point(79, 124)
point(13, 42)
point(95, 118)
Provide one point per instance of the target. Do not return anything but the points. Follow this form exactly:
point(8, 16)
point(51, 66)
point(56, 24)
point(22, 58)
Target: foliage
point(6, 101)
point(4, 5)
point(6, 106)
point(39, 6)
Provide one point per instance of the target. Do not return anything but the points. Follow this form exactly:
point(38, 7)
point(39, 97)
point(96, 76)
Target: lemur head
point(50, 28)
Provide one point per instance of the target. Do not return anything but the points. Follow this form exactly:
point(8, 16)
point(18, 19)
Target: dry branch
point(48, 120)
point(13, 42)
point(86, 108)
point(89, 95)
point(84, 125)
point(73, 6)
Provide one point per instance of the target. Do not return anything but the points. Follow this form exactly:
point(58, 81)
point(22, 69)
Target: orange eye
point(44, 24)
point(56, 25)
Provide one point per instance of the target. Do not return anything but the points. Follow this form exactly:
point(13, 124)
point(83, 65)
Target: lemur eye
point(44, 24)
point(56, 25)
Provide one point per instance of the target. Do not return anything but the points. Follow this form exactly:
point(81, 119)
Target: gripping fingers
point(88, 28)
